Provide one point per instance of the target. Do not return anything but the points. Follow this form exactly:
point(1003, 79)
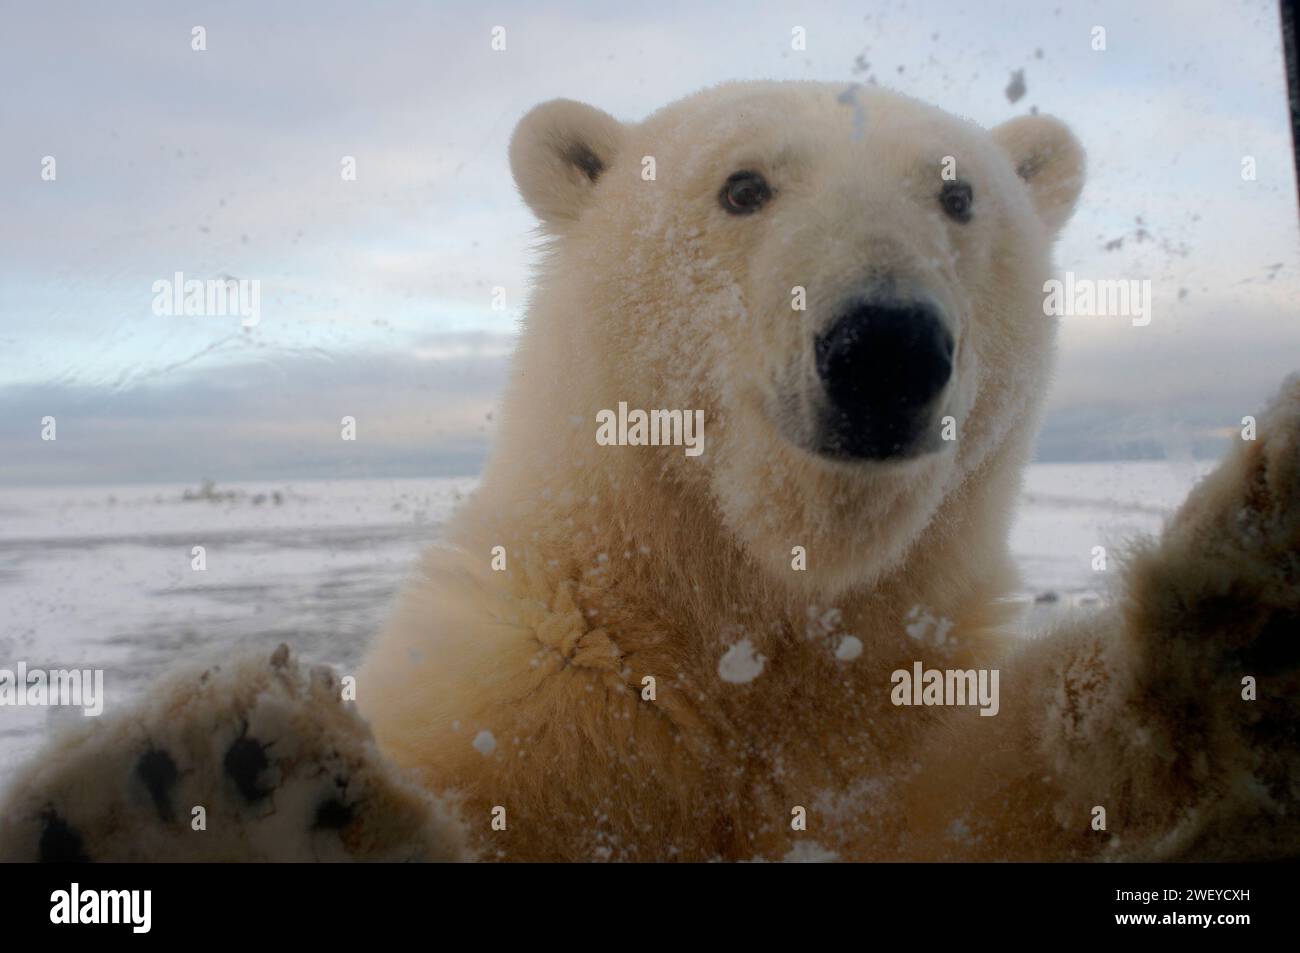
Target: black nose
point(881, 365)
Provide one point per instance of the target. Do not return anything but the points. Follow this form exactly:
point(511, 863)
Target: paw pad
point(244, 763)
point(61, 843)
point(158, 772)
point(332, 815)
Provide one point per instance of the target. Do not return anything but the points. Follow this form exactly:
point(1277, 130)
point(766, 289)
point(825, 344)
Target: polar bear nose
point(881, 365)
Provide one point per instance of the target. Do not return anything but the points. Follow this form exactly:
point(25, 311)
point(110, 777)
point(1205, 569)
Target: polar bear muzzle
point(883, 365)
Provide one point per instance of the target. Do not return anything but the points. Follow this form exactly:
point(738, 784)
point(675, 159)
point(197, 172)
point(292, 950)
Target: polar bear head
point(846, 281)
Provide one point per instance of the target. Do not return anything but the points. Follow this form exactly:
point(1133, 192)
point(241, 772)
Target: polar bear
point(625, 650)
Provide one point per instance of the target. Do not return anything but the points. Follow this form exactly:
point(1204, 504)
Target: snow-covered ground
point(101, 577)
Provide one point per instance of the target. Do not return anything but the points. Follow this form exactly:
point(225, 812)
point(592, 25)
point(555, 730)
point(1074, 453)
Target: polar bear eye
point(956, 199)
point(744, 193)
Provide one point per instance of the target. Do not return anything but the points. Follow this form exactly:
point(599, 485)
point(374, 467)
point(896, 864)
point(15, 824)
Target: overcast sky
point(376, 293)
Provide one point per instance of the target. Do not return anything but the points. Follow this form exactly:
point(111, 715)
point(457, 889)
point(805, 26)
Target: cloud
point(422, 414)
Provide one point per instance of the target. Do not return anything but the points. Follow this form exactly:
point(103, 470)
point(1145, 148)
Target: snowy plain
point(100, 577)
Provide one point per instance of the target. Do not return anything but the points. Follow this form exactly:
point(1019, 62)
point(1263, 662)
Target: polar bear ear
point(558, 152)
point(1050, 160)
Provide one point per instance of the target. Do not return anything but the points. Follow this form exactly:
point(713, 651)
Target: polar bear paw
point(1214, 612)
point(1225, 577)
point(261, 760)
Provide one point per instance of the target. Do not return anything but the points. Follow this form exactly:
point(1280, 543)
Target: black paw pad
point(60, 843)
point(244, 763)
point(332, 815)
point(158, 772)
point(1276, 648)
